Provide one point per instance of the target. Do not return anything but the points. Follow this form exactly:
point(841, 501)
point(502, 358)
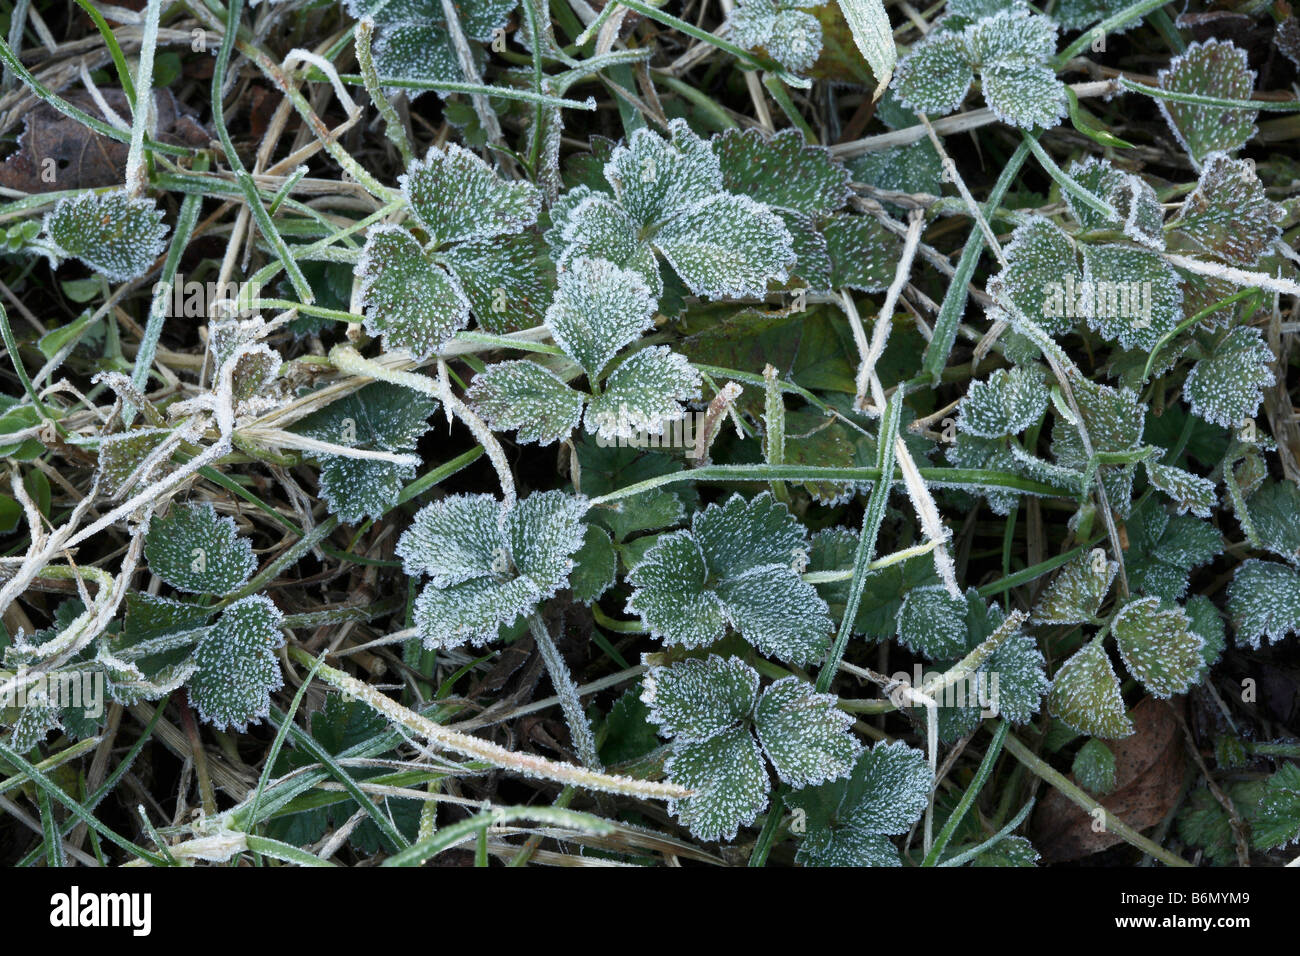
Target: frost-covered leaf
point(731, 783)
point(525, 396)
point(1158, 645)
point(487, 568)
point(847, 821)
point(1024, 96)
point(117, 235)
point(1228, 215)
point(596, 228)
point(1227, 386)
point(1205, 621)
point(1264, 602)
point(1011, 37)
point(727, 247)
point(1140, 216)
point(457, 196)
point(804, 733)
point(655, 179)
point(696, 698)
point(422, 52)
point(1133, 296)
point(932, 622)
point(237, 670)
point(1041, 274)
point(1114, 418)
point(195, 550)
point(1275, 512)
point(1021, 679)
point(751, 23)
point(1006, 403)
point(1163, 549)
point(863, 253)
point(599, 308)
point(643, 394)
point(1086, 695)
point(1076, 593)
point(782, 171)
point(1209, 68)
point(936, 75)
point(737, 566)
point(1077, 14)
point(379, 417)
point(1277, 823)
point(1094, 767)
point(1187, 491)
point(508, 280)
point(409, 299)
point(796, 40)
point(595, 566)
point(122, 455)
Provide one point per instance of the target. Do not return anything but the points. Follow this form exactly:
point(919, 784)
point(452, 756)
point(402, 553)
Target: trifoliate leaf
point(409, 299)
point(1158, 645)
point(1227, 386)
point(599, 308)
point(379, 417)
point(932, 622)
point(115, 234)
point(1140, 216)
point(846, 821)
point(863, 253)
point(596, 228)
point(1076, 593)
point(696, 698)
point(1264, 602)
point(782, 171)
point(1134, 297)
point(237, 670)
point(655, 179)
point(727, 247)
point(731, 783)
point(457, 196)
point(804, 733)
point(1163, 549)
point(1086, 695)
point(488, 568)
point(508, 280)
point(525, 396)
point(1275, 512)
point(1040, 276)
point(737, 566)
point(1187, 491)
point(594, 566)
point(936, 75)
point(1006, 404)
point(1210, 68)
point(194, 550)
point(1094, 767)
point(643, 394)
point(1277, 823)
point(1228, 215)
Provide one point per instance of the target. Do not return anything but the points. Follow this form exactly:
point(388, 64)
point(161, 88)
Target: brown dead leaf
point(1149, 768)
point(82, 158)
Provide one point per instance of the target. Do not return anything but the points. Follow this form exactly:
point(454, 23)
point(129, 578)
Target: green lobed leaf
point(457, 196)
point(1094, 767)
point(117, 235)
point(410, 300)
point(1086, 695)
point(1227, 386)
point(524, 395)
point(1264, 602)
point(696, 698)
point(237, 670)
point(1228, 215)
point(1158, 645)
point(1209, 68)
point(195, 550)
point(804, 733)
point(1076, 593)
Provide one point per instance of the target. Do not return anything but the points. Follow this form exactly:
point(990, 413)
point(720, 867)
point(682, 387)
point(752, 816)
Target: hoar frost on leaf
point(1210, 68)
point(487, 567)
point(712, 709)
point(737, 567)
point(790, 35)
point(1009, 48)
point(848, 822)
point(1006, 403)
point(1264, 602)
point(1086, 694)
point(1140, 215)
point(115, 234)
point(237, 670)
point(1158, 645)
point(1227, 386)
point(1228, 215)
point(668, 200)
point(195, 550)
point(599, 309)
point(1076, 593)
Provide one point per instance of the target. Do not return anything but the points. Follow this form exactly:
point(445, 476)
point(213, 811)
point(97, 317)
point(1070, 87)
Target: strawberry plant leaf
point(456, 196)
point(804, 734)
point(1094, 767)
point(410, 300)
point(1076, 593)
point(1228, 215)
point(1086, 695)
point(1227, 386)
point(1006, 403)
point(1158, 646)
point(697, 698)
point(1264, 602)
point(525, 396)
point(1210, 68)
